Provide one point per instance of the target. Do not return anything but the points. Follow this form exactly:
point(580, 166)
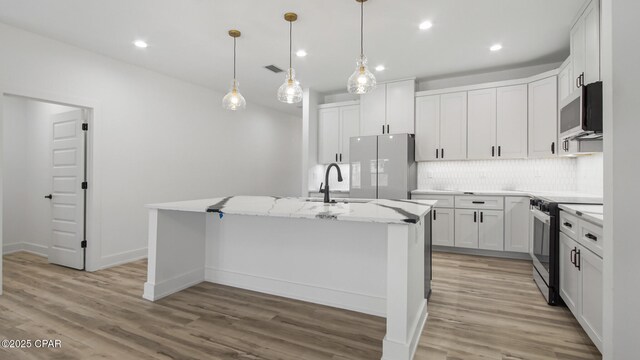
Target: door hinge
point(84, 185)
point(85, 126)
point(83, 244)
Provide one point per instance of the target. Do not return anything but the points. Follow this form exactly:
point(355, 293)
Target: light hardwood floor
point(481, 308)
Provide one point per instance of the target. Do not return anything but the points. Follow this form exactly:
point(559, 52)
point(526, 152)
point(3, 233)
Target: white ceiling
point(188, 38)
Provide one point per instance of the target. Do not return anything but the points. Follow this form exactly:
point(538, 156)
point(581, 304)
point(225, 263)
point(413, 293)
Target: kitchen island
point(361, 255)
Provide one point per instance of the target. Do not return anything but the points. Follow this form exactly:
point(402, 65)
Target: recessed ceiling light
point(301, 53)
point(380, 68)
point(140, 43)
point(495, 47)
point(425, 25)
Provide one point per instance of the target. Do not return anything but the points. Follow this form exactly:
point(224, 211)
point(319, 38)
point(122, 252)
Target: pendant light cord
point(290, 45)
point(234, 58)
point(361, 28)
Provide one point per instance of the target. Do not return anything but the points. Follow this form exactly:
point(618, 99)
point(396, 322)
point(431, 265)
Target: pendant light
point(362, 80)
point(234, 100)
point(290, 92)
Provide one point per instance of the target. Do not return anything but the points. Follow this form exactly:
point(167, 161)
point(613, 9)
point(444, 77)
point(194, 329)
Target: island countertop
point(362, 210)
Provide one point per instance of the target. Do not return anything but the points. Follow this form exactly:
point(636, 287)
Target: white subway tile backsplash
point(590, 174)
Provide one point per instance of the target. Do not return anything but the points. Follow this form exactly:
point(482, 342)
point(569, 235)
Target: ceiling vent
point(274, 68)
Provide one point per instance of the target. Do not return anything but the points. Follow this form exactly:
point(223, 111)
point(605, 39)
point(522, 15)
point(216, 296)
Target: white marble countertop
point(363, 210)
point(552, 196)
point(471, 192)
point(592, 213)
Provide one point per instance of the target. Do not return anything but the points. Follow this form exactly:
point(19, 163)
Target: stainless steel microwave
point(581, 113)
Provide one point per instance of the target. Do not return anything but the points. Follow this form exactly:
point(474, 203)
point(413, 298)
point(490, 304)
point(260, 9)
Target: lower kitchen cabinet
point(466, 228)
point(442, 227)
point(491, 230)
point(516, 224)
point(581, 285)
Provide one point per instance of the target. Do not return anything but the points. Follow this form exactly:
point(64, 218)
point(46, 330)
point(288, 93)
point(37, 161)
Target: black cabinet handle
point(493, 151)
point(477, 202)
point(442, 153)
point(383, 128)
point(553, 147)
point(581, 79)
point(577, 82)
point(578, 259)
point(591, 236)
point(481, 216)
point(499, 150)
point(475, 216)
point(567, 224)
point(437, 155)
point(388, 132)
point(434, 214)
point(572, 256)
point(340, 157)
point(48, 196)
point(336, 157)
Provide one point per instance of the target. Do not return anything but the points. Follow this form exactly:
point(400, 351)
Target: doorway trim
point(93, 169)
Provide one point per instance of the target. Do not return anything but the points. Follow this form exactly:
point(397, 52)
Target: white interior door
point(67, 196)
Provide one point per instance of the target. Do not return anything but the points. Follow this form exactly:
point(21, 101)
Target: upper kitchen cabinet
point(336, 125)
point(565, 86)
point(585, 47)
point(389, 109)
point(482, 124)
point(512, 122)
point(441, 127)
point(543, 118)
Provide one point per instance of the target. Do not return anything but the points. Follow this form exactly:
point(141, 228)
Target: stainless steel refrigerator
point(382, 166)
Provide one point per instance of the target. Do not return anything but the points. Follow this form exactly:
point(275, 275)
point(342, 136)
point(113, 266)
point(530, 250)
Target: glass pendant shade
point(290, 92)
point(362, 80)
point(234, 100)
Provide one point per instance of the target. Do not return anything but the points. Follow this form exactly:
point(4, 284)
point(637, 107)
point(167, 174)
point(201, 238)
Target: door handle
point(383, 128)
point(481, 216)
point(442, 153)
point(434, 214)
point(336, 157)
point(499, 150)
point(591, 236)
point(477, 202)
point(436, 153)
point(50, 196)
point(340, 157)
point(572, 256)
point(578, 259)
point(493, 151)
point(475, 216)
point(388, 132)
point(567, 224)
point(581, 77)
point(553, 147)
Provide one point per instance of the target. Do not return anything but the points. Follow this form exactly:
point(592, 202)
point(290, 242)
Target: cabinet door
point(453, 126)
point(373, 111)
point(568, 273)
point(592, 43)
point(349, 127)
point(543, 118)
point(564, 82)
point(578, 52)
point(400, 114)
point(466, 225)
point(442, 227)
point(516, 224)
point(482, 124)
point(512, 122)
point(590, 308)
point(328, 135)
point(491, 230)
point(427, 128)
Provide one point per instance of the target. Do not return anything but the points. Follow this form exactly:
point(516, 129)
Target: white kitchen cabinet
point(442, 226)
point(336, 125)
point(328, 135)
point(400, 111)
point(590, 295)
point(466, 228)
point(516, 224)
point(585, 46)
point(512, 122)
point(564, 81)
point(491, 230)
point(481, 106)
point(389, 108)
point(568, 273)
point(543, 118)
point(427, 128)
point(453, 126)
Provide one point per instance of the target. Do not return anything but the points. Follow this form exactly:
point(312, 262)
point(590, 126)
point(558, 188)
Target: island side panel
point(176, 252)
point(406, 303)
point(329, 262)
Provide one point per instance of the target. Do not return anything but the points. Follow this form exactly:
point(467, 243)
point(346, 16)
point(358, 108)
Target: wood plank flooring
point(481, 308)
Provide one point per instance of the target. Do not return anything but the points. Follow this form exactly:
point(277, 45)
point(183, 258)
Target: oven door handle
point(546, 218)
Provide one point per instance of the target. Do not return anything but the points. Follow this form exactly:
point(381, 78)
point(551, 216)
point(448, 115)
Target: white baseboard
point(32, 248)
point(363, 303)
point(393, 350)
point(122, 258)
point(167, 287)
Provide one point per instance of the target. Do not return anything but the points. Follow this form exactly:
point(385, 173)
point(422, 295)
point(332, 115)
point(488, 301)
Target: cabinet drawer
point(480, 202)
point(590, 236)
point(569, 225)
point(444, 201)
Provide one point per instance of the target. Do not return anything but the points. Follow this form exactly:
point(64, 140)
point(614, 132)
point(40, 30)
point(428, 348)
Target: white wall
point(28, 144)
point(155, 138)
point(620, 77)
